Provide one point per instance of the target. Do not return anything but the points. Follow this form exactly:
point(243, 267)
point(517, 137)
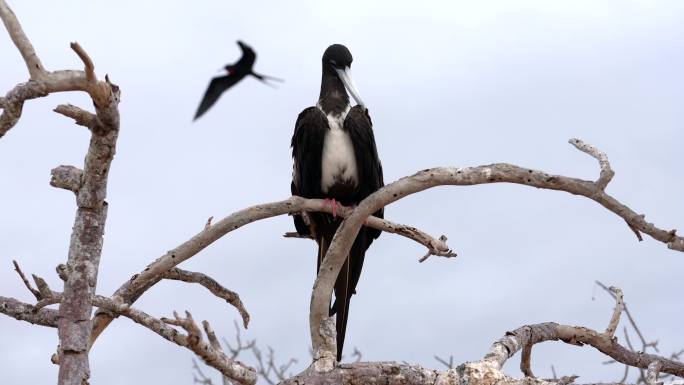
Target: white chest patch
point(339, 161)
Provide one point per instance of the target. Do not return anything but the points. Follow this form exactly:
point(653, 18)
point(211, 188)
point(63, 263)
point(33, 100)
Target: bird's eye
point(334, 63)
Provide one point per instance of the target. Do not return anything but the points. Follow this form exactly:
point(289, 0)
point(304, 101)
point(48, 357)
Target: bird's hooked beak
point(345, 76)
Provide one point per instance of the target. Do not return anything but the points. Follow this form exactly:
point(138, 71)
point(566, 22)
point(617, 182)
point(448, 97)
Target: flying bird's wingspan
point(236, 72)
point(216, 87)
point(248, 54)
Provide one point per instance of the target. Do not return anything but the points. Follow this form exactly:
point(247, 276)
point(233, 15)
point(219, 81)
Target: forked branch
point(132, 289)
point(526, 336)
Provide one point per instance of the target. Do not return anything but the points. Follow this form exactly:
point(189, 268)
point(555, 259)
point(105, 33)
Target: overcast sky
point(448, 83)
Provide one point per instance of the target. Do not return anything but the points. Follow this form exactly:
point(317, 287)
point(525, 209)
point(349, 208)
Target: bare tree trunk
point(89, 185)
point(84, 258)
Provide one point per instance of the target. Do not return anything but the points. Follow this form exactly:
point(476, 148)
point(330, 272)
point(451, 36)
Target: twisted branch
point(526, 336)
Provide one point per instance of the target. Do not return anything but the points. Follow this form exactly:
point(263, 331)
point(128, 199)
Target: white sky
point(448, 83)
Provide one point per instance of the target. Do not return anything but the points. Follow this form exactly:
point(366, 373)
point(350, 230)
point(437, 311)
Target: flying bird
point(335, 158)
point(235, 73)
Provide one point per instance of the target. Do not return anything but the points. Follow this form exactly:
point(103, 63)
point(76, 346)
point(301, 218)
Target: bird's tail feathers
point(345, 284)
point(265, 79)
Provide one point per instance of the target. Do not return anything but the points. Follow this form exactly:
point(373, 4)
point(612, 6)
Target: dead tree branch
point(131, 290)
point(33, 64)
point(203, 378)
point(80, 116)
point(435, 246)
point(33, 291)
point(266, 365)
point(86, 239)
point(26, 312)
point(526, 336)
point(239, 345)
point(67, 177)
point(615, 319)
point(645, 345)
point(495, 173)
point(449, 364)
point(211, 353)
point(575, 335)
point(214, 287)
point(607, 172)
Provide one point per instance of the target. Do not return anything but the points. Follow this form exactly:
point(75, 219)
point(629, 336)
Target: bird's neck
point(333, 98)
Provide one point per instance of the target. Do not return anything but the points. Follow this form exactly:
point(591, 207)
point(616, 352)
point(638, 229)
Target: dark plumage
point(236, 72)
point(335, 157)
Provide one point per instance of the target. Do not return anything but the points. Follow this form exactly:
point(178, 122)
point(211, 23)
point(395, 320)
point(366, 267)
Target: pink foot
point(333, 205)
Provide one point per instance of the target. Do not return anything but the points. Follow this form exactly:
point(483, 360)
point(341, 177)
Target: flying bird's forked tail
point(265, 79)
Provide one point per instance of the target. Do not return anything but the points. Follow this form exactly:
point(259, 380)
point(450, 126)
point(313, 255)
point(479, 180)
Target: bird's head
point(338, 59)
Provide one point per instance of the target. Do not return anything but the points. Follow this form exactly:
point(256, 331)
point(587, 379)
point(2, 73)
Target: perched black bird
point(236, 72)
point(335, 158)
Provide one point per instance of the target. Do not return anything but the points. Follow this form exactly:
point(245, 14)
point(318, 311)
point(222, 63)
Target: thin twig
point(87, 62)
point(631, 320)
point(449, 364)
point(525, 359)
point(239, 345)
point(615, 318)
point(203, 379)
point(35, 292)
point(132, 289)
point(208, 352)
point(606, 172)
point(23, 44)
point(357, 354)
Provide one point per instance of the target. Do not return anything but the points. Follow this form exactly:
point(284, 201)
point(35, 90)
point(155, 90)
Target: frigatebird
point(335, 158)
point(235, 73)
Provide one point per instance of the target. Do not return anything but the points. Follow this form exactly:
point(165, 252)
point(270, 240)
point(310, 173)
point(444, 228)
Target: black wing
point(360, 128)
point(248, 56)
point(216, 87)
point(307, 153)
